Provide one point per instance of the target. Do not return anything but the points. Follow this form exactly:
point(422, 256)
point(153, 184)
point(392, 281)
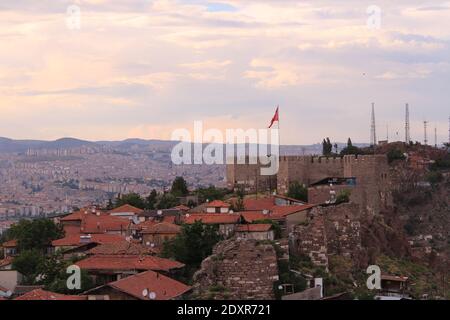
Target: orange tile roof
point(121, 248)
point(40, 294)
point(102, 224)
point(163, 288)
point(128, 262)
point(169, 219)
point(126, 208)
point(162, 228)
point(259, 204)
point(251, 216)
point(393, 278)
point(10, 244)
point(212, 218)
point(254, 227)
point(182, 208)
point(75, 240)
point(217, 204)
point(6, 261)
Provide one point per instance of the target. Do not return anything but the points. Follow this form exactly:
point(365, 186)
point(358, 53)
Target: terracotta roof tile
point(126, 208)
point(217, 204)
point(127, 262)
point(102, 224)
point(162, 228)
point(121, 248)
point(75, 240)
point(10, 244)
point(6, 261)
point(40, 294)
point(212, 218)
point(163, 288)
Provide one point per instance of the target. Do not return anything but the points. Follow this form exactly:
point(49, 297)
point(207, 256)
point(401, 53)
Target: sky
point(117, 69)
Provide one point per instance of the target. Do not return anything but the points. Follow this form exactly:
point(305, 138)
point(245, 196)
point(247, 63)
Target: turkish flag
point(275, 118)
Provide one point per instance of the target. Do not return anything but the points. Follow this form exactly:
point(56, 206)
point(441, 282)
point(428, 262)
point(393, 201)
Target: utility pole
point(407, 126)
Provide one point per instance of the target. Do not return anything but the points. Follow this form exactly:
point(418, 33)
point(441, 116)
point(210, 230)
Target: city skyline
point(145, 68)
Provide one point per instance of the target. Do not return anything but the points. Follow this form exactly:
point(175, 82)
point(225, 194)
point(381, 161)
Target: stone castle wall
point(372, 190)
point(242, 269)
point(333, 230)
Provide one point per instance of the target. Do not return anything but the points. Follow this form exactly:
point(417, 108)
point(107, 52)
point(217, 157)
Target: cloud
point(139, 64)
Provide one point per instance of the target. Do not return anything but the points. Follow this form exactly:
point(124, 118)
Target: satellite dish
point(145, 292)
point(152, 296)
point(187, 215)
point(159, 212)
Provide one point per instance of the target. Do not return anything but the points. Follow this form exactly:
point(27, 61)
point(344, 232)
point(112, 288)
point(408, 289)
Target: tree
point(211, 193)
point(193, 244)
point(327, 147)
point(343, 197)
point(54, 276)
point(167, 201)
point(29, 263)
point(395, 154)
point(151, 200)
point(298, 191)
point(35, 234)
point(351, 149)
point(132, 199)
point(179, 187)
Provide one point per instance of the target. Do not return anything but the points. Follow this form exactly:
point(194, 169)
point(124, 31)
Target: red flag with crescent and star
point(275, 118)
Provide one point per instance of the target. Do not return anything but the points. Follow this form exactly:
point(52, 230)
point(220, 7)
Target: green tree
point(298, 191)
point(29, 263)
point(151, 200)
point(35, 234)
point(343, 197)
point(211, 193)
point(167, 201)
point(327, 147)
point(193, 244)
point(179, 187)
point(132, 199)
point(395, 154)
point(54, 276)
point(351, 149)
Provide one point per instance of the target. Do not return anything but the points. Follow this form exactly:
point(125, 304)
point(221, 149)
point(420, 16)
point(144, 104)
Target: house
point(226, 222)
point(168, 215)
point(78, 244)
point(255, 231)
point(107, 268)
point(121, 248)
point(10, 248)
point(125, 211)
point(147, 285)
point(287, 216)
point(217, 206)
point(393, 288)
point(6, 263)
point(72, 223)
point(155, 235)
point(40, 294)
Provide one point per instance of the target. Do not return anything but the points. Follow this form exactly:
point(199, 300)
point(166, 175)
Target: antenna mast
point(373, 130)
point(425, 136)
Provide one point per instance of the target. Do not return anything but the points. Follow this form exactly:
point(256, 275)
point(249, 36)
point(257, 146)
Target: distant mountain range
point(20, 146)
